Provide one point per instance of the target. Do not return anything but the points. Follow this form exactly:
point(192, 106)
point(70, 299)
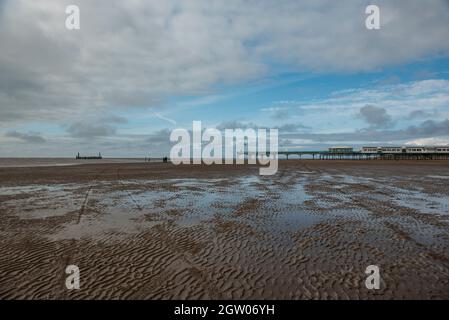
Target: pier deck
point(358, 155)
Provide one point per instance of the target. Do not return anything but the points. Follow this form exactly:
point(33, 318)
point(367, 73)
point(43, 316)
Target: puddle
point(296, 220)
point(438, 177)
point(134, 205)
point(420, 201)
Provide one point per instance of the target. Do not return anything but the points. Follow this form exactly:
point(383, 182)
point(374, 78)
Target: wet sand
point(159, 231)
point(56, 162)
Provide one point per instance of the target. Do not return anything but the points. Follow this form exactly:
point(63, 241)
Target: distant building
point(341, 149)
point(78, 157)
point(410, 149)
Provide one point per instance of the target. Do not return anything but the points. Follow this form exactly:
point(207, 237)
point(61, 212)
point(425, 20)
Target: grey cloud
point(280, 114)
point(26, 137)
point(288, 127)
point(96, 126)
point(158, 144)
point(424, 74)
point(8, 116)
point(114, 119)
point(159, 137)
point(428, 128)
point(291, 127)
point(376, 117)
point(87, 130)
point(134, 54)
point(393, 79)
point(420, 114)
point(236, 124)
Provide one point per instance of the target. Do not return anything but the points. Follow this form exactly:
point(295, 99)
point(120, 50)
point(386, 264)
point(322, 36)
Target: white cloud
point(205, 100)
point(429, 96)
point(162, 117)
point(434, 141)
point(137, 53)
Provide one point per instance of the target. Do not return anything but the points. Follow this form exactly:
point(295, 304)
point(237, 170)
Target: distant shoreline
point(23, 162)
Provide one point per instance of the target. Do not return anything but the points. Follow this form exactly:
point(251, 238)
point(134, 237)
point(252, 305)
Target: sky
point(136, 70)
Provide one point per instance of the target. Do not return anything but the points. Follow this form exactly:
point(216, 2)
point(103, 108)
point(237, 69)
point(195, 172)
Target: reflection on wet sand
point(308, 232)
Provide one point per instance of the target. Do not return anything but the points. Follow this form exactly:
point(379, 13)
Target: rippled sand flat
point(158, 231)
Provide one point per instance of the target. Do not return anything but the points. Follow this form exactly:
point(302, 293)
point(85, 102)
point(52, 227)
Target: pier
point(366, 153)
point(359, 155)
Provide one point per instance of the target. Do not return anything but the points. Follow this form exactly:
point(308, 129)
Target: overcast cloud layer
point(140, 54)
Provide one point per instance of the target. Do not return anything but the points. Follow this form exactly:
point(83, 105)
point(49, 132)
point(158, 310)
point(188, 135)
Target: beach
point(160, 231)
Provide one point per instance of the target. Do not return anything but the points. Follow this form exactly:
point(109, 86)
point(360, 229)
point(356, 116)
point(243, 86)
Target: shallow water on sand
point(306, 233)
point(129, 205)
